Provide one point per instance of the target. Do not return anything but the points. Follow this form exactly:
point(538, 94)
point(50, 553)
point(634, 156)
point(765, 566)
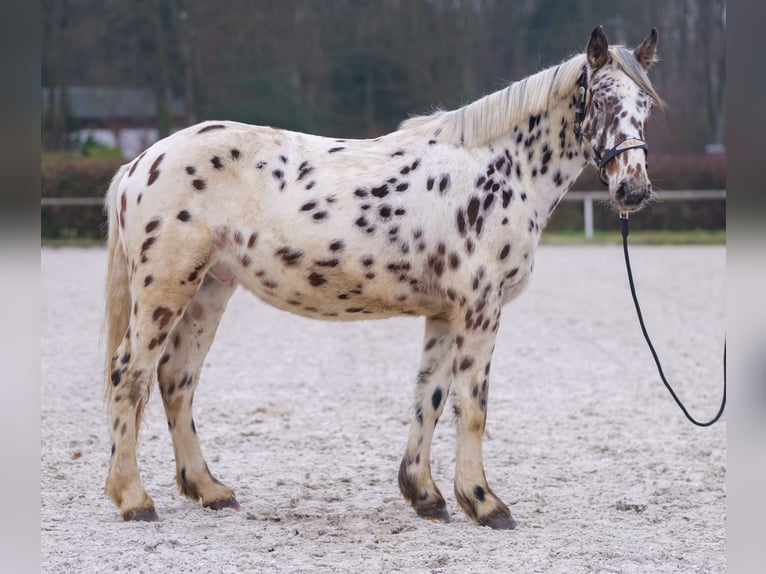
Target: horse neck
point(547, 156)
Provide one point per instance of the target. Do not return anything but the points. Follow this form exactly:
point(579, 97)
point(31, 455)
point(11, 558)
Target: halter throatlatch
point(580, 109)
point(582, 89)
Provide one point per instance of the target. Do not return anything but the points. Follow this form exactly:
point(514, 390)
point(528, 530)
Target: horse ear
point(646, 53)
point(598, 47)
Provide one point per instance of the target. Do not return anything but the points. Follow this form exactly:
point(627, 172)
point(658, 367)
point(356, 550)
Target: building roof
point(104, 103)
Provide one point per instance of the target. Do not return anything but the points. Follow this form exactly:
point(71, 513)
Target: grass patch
point(72, 242)
point(642, 237)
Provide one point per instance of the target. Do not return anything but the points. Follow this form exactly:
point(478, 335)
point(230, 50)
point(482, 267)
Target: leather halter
point(580, 110)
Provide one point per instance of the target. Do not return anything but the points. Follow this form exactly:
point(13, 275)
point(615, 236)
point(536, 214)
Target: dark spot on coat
point(332, 262)
point(304, 169)
point(444, 183)
point(290, 257)
point(473, 210)
point(381, 191)
point(183, 215)
point(317, 279)
point(154, 169)
point(461, 221)
point(211, 127)
point(436, 398)
point(135, 164)
point(147, 244)
point(162, 315)
point(152, 225)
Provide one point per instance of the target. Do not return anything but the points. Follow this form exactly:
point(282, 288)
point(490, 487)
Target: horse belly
point(330, 293)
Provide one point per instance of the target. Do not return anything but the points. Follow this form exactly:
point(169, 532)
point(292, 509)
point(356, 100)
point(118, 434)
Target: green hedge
point(75, 176)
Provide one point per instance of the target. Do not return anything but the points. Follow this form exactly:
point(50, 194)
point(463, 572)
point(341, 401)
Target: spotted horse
point(437, 219)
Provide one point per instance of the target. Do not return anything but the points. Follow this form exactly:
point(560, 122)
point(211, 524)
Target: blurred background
point(118, 75)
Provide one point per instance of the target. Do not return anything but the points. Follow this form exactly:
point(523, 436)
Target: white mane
point(481, 121)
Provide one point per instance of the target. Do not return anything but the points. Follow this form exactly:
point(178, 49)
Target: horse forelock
point(627, 62)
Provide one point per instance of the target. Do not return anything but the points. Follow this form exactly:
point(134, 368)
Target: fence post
point(588, 215)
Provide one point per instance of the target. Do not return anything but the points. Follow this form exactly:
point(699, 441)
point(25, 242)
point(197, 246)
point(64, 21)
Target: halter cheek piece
point(580, 109)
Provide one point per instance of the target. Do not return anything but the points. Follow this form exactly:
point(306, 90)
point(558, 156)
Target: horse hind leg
point(178, 372)
point(433, 383)
point(131, 376)
point(146, 295)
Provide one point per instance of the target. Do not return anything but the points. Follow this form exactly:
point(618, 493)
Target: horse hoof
point(228, 503)
point(140, 515)
point(500, 522)
point(435, 514)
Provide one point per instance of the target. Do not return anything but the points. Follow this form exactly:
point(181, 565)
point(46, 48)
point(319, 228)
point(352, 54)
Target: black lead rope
point(624, 222)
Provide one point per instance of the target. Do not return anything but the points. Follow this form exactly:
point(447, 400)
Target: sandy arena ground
point(307, 421)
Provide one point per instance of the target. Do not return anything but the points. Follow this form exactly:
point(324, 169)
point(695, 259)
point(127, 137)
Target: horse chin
point(624, 207)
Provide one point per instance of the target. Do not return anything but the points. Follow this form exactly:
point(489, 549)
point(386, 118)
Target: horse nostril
point(621, 192)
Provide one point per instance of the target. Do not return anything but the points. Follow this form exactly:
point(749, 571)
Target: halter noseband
point(580, 109)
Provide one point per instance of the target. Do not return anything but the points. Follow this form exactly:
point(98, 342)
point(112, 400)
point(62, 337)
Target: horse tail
point(117, 298)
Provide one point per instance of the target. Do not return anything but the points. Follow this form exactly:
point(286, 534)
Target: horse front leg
point(470, 370)
point(433, 384)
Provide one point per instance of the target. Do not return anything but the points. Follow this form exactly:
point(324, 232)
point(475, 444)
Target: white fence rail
point(587, 197)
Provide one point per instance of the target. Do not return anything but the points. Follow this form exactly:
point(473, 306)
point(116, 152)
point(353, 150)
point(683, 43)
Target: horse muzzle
point(631, 195)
